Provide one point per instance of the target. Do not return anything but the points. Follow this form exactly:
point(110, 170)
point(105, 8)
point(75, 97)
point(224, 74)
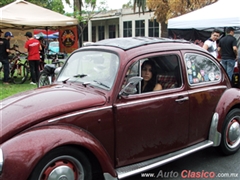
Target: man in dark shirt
point(4, 51)
point(228, 50)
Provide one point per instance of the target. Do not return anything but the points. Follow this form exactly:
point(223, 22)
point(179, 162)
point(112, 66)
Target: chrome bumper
point(1, 160)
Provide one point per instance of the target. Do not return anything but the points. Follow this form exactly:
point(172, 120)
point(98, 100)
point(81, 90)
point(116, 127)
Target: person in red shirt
point(33, 46)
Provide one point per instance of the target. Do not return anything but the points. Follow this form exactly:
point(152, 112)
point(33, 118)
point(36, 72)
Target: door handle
point(182, 99)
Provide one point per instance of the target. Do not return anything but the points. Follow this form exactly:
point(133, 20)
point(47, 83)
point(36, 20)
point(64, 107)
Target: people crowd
point(34, 47)
point(225, 51)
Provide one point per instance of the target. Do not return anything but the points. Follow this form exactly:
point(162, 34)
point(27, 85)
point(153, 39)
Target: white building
point(121, 23)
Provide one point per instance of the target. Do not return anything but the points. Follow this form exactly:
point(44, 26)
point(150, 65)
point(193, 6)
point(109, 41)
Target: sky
point(112, 4)
point(116, 4)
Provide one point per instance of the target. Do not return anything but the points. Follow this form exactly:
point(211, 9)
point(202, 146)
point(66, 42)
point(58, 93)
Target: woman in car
point(149, 75)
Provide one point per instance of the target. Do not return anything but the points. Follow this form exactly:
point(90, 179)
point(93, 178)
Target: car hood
point(23, 110)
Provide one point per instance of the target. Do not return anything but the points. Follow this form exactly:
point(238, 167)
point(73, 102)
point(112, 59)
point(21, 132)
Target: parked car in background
point(53, 47)
point(94, 121)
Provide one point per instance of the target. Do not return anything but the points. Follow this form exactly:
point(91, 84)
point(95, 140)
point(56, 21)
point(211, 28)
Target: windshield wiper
point(80, 75)
point(100, 83)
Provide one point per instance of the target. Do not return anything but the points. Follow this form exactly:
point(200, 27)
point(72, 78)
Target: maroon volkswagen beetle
point(96, 121)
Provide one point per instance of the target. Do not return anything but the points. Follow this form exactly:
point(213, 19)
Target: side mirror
point(130, 88)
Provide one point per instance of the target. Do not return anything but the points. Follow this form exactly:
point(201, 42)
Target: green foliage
point(5, 2)
point(128, 5)
point(141, 4)
point(54, 5)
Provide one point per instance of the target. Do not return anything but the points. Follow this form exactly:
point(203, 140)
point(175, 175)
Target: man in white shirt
point(210, 44)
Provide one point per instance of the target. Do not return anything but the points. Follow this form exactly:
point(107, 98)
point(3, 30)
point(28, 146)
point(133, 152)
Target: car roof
point(133, 42)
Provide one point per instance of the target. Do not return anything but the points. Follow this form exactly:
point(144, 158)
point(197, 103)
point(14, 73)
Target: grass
point(7, 90)
point(11, 89)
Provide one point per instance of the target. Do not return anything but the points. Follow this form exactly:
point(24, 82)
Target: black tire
point(19, 75)
point(230, 141)
point(43, 79)
point(27, 68)
point(63, 162)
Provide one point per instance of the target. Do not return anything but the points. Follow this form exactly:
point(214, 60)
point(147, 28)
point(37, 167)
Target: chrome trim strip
point(200, 89)
point(130, 170)
point(170, 95)
point(1, 160)
point(214, 135)
point(107, 176)
point(78, 113)
point(151, 99)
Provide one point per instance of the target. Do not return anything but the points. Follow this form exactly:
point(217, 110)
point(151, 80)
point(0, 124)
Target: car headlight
point(1, 160)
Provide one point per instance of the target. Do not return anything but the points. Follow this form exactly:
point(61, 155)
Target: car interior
point(168, 70)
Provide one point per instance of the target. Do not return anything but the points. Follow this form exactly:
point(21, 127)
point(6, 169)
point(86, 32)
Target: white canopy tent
point(223, 13)
point(24, 15)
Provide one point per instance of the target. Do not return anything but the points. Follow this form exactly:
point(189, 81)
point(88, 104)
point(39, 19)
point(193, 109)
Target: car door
point(154, 123)
point(204, 78)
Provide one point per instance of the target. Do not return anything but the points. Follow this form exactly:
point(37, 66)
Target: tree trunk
point(164, 31)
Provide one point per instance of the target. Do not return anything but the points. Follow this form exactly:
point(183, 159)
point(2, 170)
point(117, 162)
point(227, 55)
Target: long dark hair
point(152, 82)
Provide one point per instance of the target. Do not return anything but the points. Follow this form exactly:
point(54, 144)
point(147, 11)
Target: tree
point(141, 4)
point(166, 9)
point(54, 5)
point(128, 5)
point(85, 11)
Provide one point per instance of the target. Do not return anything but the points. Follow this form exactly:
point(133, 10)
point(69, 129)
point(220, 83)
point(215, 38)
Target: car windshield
point(97, 68)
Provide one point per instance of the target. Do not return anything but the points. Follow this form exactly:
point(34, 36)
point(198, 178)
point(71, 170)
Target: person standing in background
point(42, 51)
point(228, 50)
point(211, 44)
point(4, 52)
point(33, 47)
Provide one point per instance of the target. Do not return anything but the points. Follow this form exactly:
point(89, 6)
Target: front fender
point(230, 98)
point(22, 153)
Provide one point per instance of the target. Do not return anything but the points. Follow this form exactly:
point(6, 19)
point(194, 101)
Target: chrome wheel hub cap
point(233, 134)
point(61, 173)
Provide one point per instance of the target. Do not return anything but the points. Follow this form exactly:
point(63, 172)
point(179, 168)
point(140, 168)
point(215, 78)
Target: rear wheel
point(230, 142)
point(63, 163)
point(43, 79)
point(19, 75)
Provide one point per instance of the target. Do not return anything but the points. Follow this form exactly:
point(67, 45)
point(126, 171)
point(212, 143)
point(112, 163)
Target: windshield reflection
point(97, 68)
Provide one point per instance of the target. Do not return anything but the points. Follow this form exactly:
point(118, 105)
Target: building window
point(112, 31)
point(127, 29)
point(101, 33)
point(140, 28)
point(93, 33)
point(153, 28)
point(85, 34)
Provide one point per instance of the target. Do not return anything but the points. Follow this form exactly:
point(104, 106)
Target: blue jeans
point(228, 65)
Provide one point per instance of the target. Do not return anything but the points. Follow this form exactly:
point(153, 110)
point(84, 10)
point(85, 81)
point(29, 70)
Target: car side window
point(201, 69)
point(165, 71)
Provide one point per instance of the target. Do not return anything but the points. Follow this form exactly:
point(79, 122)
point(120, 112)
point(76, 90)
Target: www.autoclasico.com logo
point(188, 174)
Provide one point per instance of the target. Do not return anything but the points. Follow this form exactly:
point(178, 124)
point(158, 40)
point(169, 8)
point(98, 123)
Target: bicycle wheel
point(27, 68)
point(19, 74)
point(43, 79)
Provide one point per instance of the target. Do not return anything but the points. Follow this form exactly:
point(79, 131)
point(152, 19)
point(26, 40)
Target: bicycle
point(18, 72)
point(47, 75)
